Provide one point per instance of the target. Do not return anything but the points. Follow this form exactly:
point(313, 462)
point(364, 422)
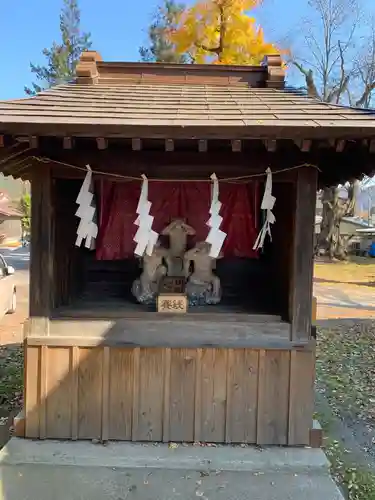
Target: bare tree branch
point(337, 92)
point(337, 71)
point(309, 78)
point(361, 102)
point(329, 45)
point(365, 69)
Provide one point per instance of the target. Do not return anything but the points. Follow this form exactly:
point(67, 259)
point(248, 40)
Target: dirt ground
point(358, 270)
point(345, 289)
point(11, 326)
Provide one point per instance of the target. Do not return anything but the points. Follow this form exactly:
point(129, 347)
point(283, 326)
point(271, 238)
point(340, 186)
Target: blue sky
point(118, 28)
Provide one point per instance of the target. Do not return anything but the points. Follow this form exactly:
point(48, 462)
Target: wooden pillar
point(41, 258)
point(303, 253)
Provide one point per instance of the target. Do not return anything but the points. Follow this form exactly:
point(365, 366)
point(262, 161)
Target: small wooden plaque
point(175, 303)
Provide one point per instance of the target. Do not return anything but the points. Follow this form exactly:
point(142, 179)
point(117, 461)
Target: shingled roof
point(232, 102)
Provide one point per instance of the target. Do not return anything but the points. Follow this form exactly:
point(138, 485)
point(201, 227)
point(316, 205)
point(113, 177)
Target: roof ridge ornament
point(276, 72)
point(87, 71)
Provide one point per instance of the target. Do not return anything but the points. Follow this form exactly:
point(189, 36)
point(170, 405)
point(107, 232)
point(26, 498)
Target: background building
point(10, 221)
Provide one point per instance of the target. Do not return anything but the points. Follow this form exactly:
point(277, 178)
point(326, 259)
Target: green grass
point(356, 482)
point(11, 377)
point(345, 371)
point(345, 368)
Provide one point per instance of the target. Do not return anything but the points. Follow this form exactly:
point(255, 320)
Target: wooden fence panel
point(181, 395)
point(90, 375)
point(32, 391)
point(242, 396)
point(59, 393)
point(121, 383)
point(150, 402)
point(273, 397)
point(213, 395)
point(301, 397)
point(169, 394)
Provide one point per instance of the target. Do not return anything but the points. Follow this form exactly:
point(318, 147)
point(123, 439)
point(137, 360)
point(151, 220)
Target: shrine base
point(52, 469)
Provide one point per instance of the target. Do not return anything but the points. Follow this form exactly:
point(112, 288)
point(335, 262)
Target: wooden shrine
point(100, 362)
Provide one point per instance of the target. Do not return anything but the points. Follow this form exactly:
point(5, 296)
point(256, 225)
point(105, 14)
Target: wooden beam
point(236, 146)
point(33, 142)
point(271, 145)
point(2, 141)
point(136, 144)
point(316, 435)
point(41, 263)
point(334, 167)
point(102, 143)
point(304, 145)
point(67, 143)
point(202, 146)
point(340, 145)
point(314, 310)
point(190, 164)
point(303, 254)
point(301, 397)
point(169, 145)
point(19, 422)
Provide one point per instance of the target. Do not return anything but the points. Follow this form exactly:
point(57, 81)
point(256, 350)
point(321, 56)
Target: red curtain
point(170, 200)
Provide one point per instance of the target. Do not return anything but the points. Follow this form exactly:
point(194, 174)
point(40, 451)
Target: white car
point(8, 297)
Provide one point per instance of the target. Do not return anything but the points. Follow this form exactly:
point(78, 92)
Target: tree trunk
point(330, 242)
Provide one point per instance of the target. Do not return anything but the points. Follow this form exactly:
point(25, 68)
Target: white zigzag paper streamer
point(215, 236)
point(145, 237)
point(268, 203)
point(87, 228)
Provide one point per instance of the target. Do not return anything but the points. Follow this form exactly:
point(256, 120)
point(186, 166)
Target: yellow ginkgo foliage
point(221, 32)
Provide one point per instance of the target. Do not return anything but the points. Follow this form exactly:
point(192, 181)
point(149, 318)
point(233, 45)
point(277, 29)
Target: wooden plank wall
point(161, 394)
point(303, 253)
point(280, 248)
point(41, 263)
point(67, 257)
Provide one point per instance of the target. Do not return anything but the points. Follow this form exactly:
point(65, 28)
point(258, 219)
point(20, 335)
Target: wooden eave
point(252, 129)
point(180, 101)
point(143, 101)
point(148, 100)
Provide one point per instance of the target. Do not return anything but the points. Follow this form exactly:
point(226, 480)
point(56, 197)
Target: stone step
point(42, 470)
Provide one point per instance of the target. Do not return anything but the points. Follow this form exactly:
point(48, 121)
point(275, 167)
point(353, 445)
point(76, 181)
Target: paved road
point(19, 258)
